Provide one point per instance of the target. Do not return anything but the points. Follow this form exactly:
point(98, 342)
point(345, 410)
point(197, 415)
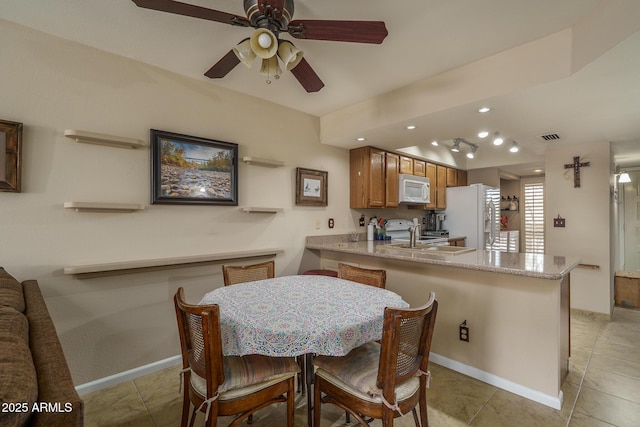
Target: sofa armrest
point(55, 386)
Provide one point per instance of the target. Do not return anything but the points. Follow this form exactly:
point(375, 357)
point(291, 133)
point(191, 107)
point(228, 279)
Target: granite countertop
point(519, 264)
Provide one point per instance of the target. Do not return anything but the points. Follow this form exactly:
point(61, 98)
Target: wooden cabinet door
point(377, 179)
point(441, 187)
point(419, 168)
point(433, 184)
point(392, 180)
point(366, 178)
point(462, 178)
point(452, 177)
point(406, 165)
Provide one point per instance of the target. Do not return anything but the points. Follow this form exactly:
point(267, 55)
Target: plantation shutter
point(534, 217)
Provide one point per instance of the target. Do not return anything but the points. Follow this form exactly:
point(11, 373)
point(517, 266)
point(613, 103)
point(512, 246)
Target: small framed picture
point(191, 170)
point(10, 156)
point(311, 187)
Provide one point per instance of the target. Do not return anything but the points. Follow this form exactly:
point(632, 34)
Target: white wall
point(109, 325)
point(587, 213)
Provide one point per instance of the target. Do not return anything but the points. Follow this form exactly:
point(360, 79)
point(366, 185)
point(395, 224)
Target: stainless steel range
point(398, 229)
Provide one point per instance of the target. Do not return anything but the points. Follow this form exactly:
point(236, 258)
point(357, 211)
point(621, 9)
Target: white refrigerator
point(474, 212)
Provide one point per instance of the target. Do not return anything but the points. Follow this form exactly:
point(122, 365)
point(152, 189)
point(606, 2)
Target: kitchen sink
point(426, 248)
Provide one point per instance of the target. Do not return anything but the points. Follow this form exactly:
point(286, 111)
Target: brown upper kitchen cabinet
point(419, 168)
point(367, 168)
point(441, 187)
point(406, 165)
point(462, 178)
point(452, 177)
point(393, 168)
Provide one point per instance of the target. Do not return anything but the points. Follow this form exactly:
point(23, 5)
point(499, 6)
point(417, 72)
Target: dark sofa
point(35, 383)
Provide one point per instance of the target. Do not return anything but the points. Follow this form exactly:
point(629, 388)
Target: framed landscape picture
point(10, 156)
point(311, 187)
point(191, 170)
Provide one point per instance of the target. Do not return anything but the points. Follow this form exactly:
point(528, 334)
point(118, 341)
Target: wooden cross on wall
point(576, 165)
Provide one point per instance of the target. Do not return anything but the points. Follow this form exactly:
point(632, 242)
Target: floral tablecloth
point(295, 315)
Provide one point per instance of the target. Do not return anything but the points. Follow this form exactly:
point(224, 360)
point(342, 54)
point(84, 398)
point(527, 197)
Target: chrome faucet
point(413, 230)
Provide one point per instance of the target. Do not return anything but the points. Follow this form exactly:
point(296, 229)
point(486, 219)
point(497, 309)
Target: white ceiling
point(594, 101)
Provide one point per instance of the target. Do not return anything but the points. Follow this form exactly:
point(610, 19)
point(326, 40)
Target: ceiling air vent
point(550, 136)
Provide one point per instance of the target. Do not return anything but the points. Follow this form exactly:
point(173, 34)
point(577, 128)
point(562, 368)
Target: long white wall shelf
point(263, 162)
point(102, 139)
point(126, 267)
point(103, 207)
point(253, 209)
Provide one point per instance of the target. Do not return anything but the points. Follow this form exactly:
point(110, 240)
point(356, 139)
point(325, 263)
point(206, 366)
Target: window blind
point(534, 217)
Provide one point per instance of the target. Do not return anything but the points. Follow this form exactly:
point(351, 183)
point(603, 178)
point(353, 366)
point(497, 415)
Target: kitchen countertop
point(519, 264)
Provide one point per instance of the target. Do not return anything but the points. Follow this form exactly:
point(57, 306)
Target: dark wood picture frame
point(311, 187)
point(192, 170)
point(10, 156)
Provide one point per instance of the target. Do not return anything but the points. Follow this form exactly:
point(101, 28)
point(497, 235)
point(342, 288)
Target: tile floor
point(602, 389)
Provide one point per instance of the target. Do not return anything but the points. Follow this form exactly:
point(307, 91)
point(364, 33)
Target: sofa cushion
point(10, 292)
point(18, 382)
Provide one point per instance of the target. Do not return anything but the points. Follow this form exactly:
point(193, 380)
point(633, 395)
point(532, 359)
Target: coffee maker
point(434, 221)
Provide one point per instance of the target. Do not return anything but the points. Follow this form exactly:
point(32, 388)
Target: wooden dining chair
point(382, 381)
point(377, 278)
point(226, 385)
point(233, 274)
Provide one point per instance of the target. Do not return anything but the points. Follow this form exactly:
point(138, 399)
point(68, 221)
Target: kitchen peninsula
point(516, 306)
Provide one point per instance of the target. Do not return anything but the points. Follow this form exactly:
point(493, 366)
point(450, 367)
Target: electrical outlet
point(464, 332)
point(317, 224)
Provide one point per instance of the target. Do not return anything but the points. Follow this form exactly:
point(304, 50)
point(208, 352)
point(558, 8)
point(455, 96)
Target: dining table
point(300, 315)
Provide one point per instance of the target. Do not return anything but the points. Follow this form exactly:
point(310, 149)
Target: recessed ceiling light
point(537, 170)
point(435, 143)
point(411, 127)
point(484, 110)
point(362, 138)
point(483, 134)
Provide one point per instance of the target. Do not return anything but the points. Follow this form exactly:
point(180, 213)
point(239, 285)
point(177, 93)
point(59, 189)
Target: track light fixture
point(497, 139)
point(456, 145)
point(472, 154)
point(514, 147)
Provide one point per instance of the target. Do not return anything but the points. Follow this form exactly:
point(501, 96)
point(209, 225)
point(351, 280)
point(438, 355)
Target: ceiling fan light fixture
point(264, 43)
point(289, 54)
point(244, 53)
point(270, 68)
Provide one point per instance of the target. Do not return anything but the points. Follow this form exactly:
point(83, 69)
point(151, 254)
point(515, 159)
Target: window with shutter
point(534, 217)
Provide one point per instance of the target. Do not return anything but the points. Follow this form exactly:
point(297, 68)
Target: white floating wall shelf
point(251, 209)
point(263, 162)
point(103, 207)
point(102, 139)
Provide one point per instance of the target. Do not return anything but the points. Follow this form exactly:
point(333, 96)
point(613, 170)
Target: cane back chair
point(226, 385)
point(382, 381)
point(377, 278)
point(233, 274)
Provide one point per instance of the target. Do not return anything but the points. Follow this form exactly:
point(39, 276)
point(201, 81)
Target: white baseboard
point(554, 402)
point(131, 374)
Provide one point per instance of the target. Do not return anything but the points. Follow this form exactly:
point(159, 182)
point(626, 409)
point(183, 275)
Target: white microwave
point(414, 189)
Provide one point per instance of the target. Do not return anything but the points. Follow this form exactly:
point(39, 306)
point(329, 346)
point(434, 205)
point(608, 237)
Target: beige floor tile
point(613, 384)
point(119, 405)
point(162, 397)
point(607, 408)
point(580, 420)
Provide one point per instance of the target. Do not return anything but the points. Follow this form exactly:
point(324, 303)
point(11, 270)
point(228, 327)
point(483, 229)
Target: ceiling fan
point(270, 18)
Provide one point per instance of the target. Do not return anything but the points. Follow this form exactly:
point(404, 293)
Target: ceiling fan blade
point(340, 31)
point(194, 11)
point(307, 77)
point(222, 67)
